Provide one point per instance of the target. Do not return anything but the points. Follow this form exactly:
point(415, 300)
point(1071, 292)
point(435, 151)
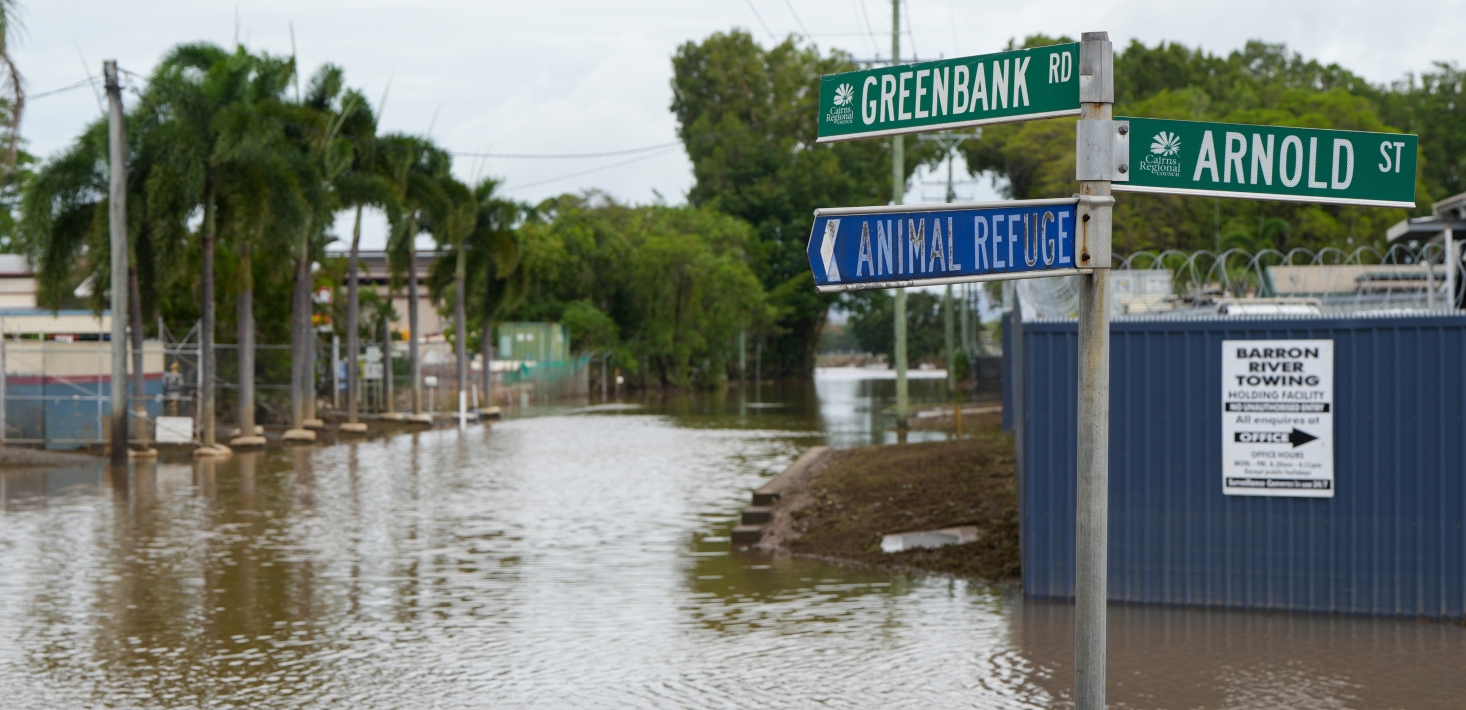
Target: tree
point(226, 152)
point(65, 228)
point(492, 267)
point(451, 223)
point(479, 235)
point(1260, 84)
point(11, 85)
point(677, 283)
point(872, 321)
point(1433, 105)
point(342, 141)
point(414, 168)
point(745, 116)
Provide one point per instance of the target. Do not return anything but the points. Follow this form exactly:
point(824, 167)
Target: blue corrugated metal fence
point(1391, 541)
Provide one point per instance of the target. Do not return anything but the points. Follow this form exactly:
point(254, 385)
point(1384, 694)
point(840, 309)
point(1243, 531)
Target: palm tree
point(9, 26)
point(485, 260)
point(327, 126)
point(414, 167)
point(493, 257)
point(65, 229)
point(358, 182)
point(451, 225)
point(226, 153)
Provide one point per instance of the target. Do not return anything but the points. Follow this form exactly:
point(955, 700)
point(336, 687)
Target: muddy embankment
point(840, 507)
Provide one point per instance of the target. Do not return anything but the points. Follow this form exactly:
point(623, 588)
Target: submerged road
point(582, 561)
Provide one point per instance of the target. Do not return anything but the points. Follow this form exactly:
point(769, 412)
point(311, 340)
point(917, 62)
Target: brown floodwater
point(579, 558)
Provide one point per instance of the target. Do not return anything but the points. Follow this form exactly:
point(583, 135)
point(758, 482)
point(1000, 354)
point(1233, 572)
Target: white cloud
point(587, 75)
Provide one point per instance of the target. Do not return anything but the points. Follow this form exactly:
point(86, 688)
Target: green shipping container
point(533, 342)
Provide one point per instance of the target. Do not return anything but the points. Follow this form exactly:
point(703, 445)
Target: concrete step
point(758, 515)
point(747, 534)
point(769, 493)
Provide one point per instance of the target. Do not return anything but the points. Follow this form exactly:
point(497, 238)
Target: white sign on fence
point(173, 430)
point(1278, 418)
point(372, 370)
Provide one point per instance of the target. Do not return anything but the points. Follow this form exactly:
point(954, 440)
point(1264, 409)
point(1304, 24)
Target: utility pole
point(1096, 133)
point(898, 193)
point(949, 143)
point(947, 313)
point(742, 357)
point(117, 218)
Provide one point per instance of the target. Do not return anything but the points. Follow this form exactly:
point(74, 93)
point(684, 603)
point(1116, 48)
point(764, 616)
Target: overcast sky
point(567, 76)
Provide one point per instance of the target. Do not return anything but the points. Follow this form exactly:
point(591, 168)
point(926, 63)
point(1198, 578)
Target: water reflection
point(582, 560)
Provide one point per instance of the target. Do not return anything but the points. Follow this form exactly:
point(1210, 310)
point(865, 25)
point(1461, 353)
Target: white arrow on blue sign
point(857, 248)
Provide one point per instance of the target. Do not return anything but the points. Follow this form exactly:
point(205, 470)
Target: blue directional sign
point(852, 249)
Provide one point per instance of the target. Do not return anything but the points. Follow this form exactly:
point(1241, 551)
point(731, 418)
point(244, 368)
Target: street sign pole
point(898, 195)
point(1095, 161)
point(852, 248)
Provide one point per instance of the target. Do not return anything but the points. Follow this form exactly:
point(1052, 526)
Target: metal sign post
point(1095, 168)
point(893, 246)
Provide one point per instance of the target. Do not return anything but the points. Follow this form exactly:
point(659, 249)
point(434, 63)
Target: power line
point(956, 45)
point(72, 87)
point(667, 147)
point(585, 172)
point(608, 154)
point(651, 151)
point(569, 156)
point(761, 21)
point(802, 28)
point(910, 28)
point(875, 46)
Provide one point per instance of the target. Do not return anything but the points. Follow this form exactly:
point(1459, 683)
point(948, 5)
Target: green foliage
point(14, 184)
point(746, 117)
point(590, 328)
point(872, 322)
point(837, 338)
point(667, 289)
point(1433, 105)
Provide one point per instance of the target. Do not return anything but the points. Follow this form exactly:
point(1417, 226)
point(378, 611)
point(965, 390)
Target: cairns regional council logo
point(841, 113)
point(1161, 160)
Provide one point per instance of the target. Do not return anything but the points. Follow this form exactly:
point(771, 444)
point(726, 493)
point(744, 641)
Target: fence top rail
point(1402, 280)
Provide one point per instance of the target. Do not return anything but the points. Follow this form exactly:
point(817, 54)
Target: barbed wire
point(1398, 280)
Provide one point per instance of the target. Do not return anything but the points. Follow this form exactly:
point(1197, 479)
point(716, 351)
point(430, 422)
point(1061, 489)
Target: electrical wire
point(651, 151)
point(956, 45)
point(586, 172)
point(72, 87)
point(535, 156)
point(874, 45)
point(772, 38)
point(569, 156)
point(668, 147)
point(910, 28)
point(802, 28)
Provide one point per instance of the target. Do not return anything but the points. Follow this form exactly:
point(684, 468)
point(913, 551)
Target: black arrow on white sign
point(1296, 438)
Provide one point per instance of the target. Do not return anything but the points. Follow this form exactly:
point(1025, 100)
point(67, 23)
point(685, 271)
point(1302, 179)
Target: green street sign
point(1269, 163)
point(951, 93)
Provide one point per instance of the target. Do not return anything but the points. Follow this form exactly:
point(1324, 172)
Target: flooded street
point(581, 559)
